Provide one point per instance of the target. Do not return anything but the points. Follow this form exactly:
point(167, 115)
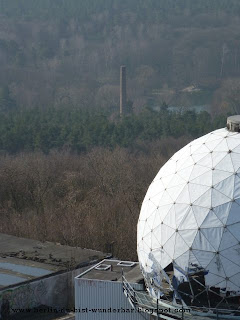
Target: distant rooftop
point(25, 259)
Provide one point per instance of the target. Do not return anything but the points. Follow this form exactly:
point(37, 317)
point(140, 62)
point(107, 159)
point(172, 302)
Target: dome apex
point(233, 123)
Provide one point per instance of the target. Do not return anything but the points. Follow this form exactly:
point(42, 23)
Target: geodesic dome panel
point(190, 217)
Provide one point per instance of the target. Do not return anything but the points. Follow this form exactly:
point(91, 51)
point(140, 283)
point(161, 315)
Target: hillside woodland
point(55, 52)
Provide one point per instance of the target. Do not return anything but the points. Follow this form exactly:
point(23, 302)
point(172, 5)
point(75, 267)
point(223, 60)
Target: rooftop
point(111, 270)
point(25, 259)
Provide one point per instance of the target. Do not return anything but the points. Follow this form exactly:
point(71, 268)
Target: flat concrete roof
point(114, 272)
point(24, 259)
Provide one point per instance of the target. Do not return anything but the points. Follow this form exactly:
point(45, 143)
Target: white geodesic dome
point(190, 217)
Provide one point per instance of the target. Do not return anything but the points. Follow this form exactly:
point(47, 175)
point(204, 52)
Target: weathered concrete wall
point(56, 291)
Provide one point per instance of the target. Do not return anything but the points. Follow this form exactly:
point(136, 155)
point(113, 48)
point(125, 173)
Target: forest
point(78, 130)
point(79, 177)
point(72, 170)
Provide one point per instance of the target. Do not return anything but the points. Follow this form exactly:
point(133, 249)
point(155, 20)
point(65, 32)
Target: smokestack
point(123, 90)
point(233, 123)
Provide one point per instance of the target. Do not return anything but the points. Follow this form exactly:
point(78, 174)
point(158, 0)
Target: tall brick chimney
point(123, 90)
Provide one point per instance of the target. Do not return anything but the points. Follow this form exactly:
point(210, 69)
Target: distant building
point(181, 109)
point(190, 89)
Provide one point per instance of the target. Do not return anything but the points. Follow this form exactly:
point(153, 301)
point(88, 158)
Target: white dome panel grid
point(192, 211)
